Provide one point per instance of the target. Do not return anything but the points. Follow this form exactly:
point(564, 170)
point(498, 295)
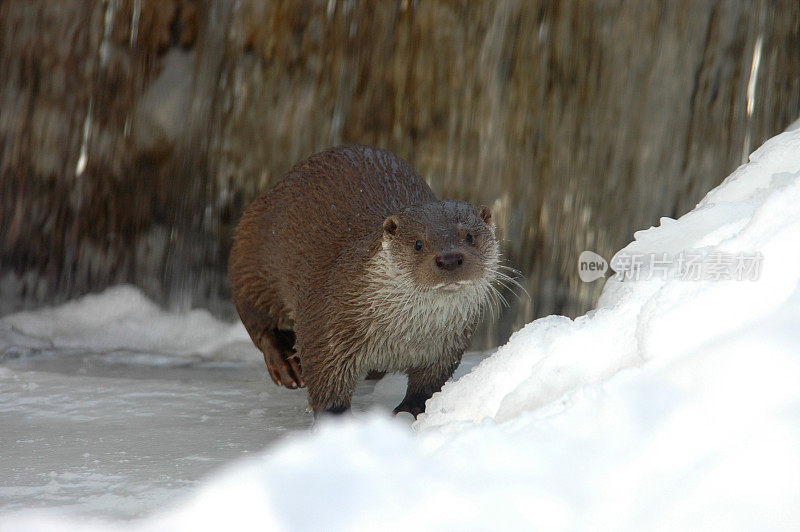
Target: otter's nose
point(449, 261)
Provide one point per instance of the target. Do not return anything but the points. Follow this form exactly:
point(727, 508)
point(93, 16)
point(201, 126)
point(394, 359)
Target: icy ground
point(111, 407)
point(673, 405)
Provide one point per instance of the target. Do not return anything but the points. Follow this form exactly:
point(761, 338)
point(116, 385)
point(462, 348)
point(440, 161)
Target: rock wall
point(134, 132)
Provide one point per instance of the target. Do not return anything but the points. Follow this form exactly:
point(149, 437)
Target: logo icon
point(591, 266)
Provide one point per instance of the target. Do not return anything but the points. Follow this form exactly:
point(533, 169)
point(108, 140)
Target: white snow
point(123, 318)
point(674, 404)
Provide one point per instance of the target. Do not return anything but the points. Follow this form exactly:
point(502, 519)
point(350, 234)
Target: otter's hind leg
point(277, 345)
point(282, 363)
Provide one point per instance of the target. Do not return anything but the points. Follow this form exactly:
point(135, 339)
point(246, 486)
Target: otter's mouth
point(452, 286)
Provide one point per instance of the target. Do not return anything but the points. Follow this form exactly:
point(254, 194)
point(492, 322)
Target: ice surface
point(121, 433)
point(674, 404)
point(111, 407)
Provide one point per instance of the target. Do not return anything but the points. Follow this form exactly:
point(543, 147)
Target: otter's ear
point(390, 226)
point(486, 214)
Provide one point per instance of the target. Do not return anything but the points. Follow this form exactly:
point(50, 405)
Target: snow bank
point(675, 404)
point(123, 318)
point(755, 210)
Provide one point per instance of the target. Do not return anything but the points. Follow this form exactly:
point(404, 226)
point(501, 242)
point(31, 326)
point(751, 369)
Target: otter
point(351, 265)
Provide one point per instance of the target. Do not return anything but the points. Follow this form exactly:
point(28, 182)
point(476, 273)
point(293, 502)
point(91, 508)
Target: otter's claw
point(414, 410)
point(286, 372)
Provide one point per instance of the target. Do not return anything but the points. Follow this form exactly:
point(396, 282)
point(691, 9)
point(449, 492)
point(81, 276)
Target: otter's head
point(444, 246)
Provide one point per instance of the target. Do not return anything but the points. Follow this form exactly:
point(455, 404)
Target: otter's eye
point(469, 238)
point(418, 245)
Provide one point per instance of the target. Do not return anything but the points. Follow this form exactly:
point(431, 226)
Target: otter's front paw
point(414, 409)
point(331, 412)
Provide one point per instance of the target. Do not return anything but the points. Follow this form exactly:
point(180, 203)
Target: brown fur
point(324, 270)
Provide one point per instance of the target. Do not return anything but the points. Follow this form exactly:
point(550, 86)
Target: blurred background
point(134, 132)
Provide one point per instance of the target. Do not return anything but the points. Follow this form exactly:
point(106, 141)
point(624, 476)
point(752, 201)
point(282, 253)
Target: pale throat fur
point(403, 324)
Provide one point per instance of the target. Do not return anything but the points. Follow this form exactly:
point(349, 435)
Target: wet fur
point(314, 263)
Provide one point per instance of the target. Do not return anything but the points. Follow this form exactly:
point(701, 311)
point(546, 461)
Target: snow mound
point(656, 316)
point(123, 318)
point(673, 405)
